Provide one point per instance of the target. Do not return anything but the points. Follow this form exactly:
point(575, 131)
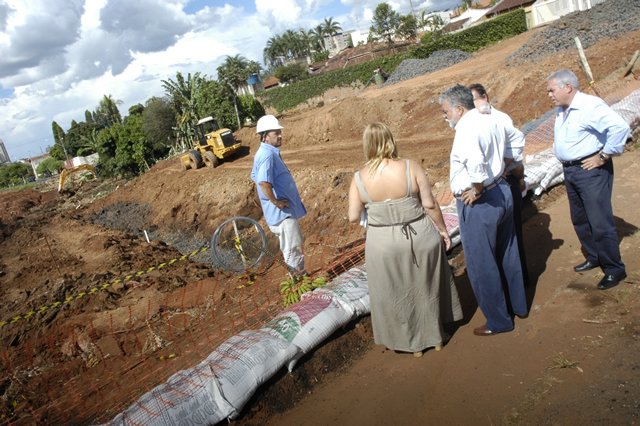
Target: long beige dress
point(411, 286)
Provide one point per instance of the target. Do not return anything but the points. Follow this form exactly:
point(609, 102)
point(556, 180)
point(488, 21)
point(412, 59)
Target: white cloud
point(62, 56)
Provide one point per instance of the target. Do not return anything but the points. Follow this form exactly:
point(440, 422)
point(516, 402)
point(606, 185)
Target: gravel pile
point(608, 19)
point(411, 68)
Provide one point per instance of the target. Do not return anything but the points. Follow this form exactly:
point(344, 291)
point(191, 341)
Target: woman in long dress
point(411, 286)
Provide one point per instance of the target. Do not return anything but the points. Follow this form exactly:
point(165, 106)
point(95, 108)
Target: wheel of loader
point(195, 159)
point(210, 160)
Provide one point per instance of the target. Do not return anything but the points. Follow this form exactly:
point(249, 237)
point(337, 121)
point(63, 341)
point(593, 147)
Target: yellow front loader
point(213, 145)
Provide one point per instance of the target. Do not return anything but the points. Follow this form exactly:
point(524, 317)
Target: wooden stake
point(583, 58)
point(631, 62)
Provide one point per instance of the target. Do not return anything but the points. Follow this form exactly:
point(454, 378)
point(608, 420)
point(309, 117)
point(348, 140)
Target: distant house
point(475, 14)
point(546, 11)
point(253, 86)
point(506, 6)
point(36, 161)
point(271, 82)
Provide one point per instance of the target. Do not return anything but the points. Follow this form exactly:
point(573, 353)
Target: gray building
point(4, 155)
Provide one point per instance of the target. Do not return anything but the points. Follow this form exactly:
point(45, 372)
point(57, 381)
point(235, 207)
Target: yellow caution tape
point(102, 287)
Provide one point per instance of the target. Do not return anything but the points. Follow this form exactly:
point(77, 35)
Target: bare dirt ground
point(52, 248)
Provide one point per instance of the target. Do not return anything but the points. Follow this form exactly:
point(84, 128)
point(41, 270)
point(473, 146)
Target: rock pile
point(608, 19)
point(411, 68)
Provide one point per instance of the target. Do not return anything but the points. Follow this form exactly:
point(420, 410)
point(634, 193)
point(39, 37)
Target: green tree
point(58, 137)
point(107, 112)
point(15, 174)
point(57, 152)
point(385, 24)
point(216, 99)
point(88, 117)
point(158, 121)
point(316, 37)
point(75, 141)
point(292, 73)
point(235, 71)
point(250, 108)
point(49, 165)
point(408, 28)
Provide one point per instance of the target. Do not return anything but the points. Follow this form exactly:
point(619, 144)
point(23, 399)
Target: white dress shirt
point(477, 154)
point(514, 144)
point(590, 125)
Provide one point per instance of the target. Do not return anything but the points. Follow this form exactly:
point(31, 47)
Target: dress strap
point(409, 188)
point(361, 188)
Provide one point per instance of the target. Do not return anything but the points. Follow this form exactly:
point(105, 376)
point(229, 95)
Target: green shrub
point(476, 37)
point(288, 97)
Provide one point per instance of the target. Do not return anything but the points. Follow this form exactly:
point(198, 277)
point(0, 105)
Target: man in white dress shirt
point(485, 211)
point(587, 134)
point(514, 172)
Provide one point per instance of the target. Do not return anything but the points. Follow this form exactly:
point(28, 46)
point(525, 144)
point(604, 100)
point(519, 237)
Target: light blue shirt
point(269, 167)
point(590, 126)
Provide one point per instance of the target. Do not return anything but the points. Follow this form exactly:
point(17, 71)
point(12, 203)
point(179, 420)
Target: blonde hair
point(378, 143)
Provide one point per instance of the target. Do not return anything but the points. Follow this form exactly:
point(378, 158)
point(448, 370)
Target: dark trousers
point(491, 254)
point(516, 194)
point(589, 193)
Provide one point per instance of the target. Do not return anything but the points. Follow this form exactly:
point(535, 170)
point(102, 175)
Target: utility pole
point(64, 149)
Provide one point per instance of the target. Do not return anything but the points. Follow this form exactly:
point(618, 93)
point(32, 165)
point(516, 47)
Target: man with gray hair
point(485, 211)
point(587, 134)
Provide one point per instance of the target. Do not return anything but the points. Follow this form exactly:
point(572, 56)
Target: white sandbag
point(189, 397)
point(245, 361)
point(629, 109)
point(350, 288)
point(543, 170)
point(308, 322)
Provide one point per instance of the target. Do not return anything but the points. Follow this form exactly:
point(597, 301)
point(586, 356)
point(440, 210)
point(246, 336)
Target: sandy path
point(485, 380)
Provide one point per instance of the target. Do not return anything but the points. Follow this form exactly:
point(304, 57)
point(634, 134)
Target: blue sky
point(59, 57)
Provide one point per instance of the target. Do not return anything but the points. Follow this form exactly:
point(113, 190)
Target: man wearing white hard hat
point(278, 193)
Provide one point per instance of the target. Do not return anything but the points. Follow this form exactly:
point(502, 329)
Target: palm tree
point(331, 28)
point(108, 112)
point(183, 94)
point(273, 52)
point(316, 35)
point(235, 71)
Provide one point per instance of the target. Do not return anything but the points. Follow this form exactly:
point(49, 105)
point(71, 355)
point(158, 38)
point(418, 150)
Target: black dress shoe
point(610, 281)
point(586, 266)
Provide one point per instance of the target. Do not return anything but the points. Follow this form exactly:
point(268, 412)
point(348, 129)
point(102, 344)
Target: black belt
point(407, 230)
point(579, 161)
point(492, 185)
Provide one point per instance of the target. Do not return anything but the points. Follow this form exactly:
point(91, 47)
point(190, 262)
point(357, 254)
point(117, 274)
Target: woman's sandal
point(446, 339)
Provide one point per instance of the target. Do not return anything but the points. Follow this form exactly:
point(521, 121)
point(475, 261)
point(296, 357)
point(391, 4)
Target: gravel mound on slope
point(412, 68)
point(609, 19)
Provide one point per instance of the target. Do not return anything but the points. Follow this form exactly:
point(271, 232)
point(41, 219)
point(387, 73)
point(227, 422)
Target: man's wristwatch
point(604, 157)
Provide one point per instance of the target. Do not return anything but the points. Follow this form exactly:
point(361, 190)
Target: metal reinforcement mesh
point(103, 373)
point(51, 382)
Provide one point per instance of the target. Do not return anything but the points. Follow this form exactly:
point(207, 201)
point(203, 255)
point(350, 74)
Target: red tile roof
point(271, 81)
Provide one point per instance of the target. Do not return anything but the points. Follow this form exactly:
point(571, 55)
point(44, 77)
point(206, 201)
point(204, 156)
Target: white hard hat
point(266, 123)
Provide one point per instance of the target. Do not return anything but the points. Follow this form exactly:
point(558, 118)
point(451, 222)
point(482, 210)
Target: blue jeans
point(589, 193)
point(491, 253)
